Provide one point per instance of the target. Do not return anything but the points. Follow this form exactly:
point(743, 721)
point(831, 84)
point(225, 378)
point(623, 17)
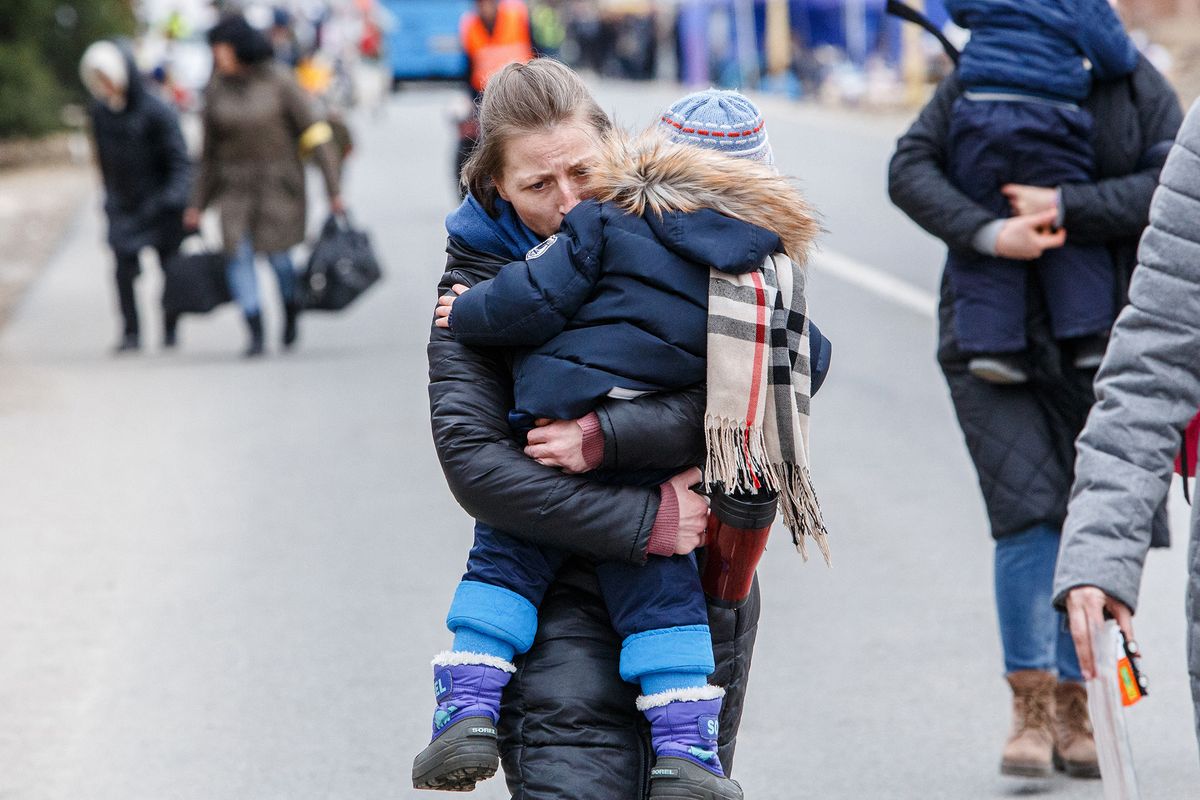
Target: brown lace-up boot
point(1029, 748)
point(1074, 747)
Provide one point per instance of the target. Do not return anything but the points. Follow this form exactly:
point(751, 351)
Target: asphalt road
point(222, 579)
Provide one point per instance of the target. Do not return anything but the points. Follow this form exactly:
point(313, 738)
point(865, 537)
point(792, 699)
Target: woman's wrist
point(665, 532)
point(593, 440)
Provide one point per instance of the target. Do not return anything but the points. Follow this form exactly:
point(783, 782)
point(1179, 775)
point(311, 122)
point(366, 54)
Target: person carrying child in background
point(1026, 68)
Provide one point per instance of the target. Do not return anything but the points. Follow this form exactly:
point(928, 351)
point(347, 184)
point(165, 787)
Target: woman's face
point(225, 59)
point(543, 173)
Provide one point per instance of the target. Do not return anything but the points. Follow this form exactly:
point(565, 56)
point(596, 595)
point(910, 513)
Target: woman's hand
point(191, 218)
point(1030, 199)
point(445, 303)
point(557, 443)
point(1026, 237)
point(1085, 609)
point(337, 205)
point(693, 512)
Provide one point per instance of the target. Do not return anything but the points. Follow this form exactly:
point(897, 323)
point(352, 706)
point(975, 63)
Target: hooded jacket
point(145, 168)
point(1039, 48)
point(615, 304)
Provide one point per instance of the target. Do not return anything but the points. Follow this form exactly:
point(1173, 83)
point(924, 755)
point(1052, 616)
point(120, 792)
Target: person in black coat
point(567, 719)
point(145, 169)
point(1021, 438)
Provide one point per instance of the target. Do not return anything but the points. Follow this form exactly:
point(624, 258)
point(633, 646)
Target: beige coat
point(250, 167)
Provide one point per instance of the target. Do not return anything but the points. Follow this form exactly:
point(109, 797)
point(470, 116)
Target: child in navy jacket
point(614, 305)
point(1027, 66)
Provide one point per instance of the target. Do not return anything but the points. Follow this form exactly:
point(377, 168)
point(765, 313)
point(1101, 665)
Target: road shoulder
point(37, 204)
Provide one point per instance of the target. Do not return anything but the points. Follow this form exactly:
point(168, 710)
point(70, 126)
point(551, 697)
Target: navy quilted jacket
point(614, 303)
point(1038, 47)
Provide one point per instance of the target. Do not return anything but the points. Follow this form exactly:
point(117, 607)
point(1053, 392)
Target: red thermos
point(738, 526)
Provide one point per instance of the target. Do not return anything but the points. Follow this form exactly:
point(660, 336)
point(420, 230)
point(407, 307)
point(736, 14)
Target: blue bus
point(423, 39)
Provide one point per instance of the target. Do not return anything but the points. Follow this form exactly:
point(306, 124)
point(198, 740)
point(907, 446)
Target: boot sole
point(1019, 769)
point(999, 376)
point(463, 755)
point(677, 779)
point(1076, 769)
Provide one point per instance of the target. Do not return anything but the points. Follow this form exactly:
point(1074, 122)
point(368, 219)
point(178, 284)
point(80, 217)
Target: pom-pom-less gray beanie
point(720, 120)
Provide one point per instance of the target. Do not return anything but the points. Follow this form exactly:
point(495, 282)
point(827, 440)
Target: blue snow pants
point(657, 609)
point(999, 139)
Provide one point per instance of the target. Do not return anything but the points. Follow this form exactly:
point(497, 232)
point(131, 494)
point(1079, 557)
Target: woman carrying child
point(615, 292)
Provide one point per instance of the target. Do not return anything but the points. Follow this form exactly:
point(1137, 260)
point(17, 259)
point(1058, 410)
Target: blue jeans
point(243, 283)
point(1032, 632)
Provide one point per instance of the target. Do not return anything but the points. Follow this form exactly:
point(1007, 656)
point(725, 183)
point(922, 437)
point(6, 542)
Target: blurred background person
point(257, 124)
point(548, 28)
point(284, 43)
point(146, 173)
point(494, 34)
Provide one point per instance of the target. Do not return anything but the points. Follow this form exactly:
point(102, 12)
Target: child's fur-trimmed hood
point(648, 173)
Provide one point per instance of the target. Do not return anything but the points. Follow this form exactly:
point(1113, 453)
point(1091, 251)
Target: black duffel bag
point(342, 266)
point(195, 283)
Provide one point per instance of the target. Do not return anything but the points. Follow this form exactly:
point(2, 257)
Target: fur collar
point(647, 173)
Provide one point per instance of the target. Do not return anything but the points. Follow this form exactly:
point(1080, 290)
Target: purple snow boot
point(683, 727)
point(464, 749)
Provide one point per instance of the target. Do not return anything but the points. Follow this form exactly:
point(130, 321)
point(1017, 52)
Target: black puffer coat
point(568, 726)
point(1021, 438)
point(145, 168)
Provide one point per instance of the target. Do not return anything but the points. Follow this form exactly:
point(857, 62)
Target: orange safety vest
point(508, 41)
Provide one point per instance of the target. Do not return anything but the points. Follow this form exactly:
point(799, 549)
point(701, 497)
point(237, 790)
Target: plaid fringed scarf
point(756, 422)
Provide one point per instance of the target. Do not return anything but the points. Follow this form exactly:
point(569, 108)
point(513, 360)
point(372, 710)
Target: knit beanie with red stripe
point(719, 120)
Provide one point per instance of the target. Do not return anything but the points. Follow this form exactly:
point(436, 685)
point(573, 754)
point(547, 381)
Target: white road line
point(876, 281)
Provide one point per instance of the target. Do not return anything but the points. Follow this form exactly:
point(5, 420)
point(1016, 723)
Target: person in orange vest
point(496, 33)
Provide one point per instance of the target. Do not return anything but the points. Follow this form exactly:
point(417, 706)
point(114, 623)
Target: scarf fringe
point(802, 511)
point(737, 459)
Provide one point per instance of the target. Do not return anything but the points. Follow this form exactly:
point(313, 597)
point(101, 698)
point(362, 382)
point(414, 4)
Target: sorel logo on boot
point(709, 727)
point(483, 731)
point(664, 772)
point(442, 684)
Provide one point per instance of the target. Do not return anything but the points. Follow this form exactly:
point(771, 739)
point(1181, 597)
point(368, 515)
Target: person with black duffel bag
point(258, 126)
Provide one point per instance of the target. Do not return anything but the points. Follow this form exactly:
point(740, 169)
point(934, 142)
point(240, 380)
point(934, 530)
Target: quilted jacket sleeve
point(917, 181)
point(1116, 207)
point(470, 392)
point(530, 301)
point(1147, 390)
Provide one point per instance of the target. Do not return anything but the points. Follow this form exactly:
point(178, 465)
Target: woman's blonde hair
point(521, 99)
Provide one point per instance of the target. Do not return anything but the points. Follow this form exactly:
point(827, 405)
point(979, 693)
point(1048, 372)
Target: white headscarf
point(104, 58)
